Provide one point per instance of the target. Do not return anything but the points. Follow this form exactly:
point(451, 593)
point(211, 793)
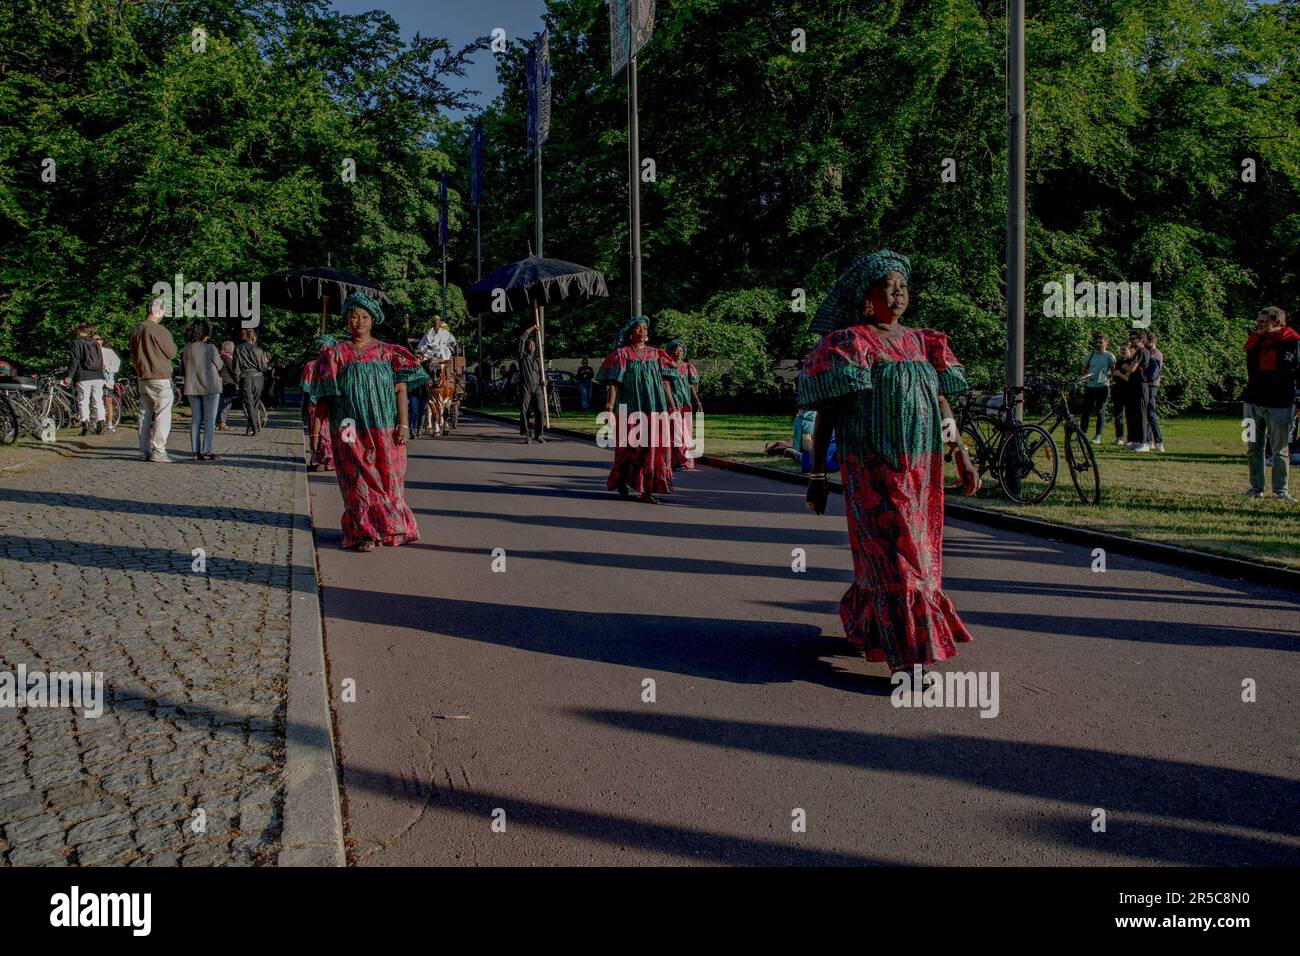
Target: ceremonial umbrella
point(311, 290)
point(531, 283)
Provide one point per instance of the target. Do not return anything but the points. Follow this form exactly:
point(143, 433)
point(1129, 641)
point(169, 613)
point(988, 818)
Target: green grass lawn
point(1189, 495)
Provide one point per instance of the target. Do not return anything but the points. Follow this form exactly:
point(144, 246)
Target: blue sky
point(460, 21)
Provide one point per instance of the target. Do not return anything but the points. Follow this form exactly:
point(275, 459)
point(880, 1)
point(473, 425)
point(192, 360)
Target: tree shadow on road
point(1117, 782)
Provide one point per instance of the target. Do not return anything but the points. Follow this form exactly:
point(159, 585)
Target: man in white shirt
point(437, 343)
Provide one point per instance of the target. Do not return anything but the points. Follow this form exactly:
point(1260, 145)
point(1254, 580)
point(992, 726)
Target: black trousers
point(250, 390)
point(530, 402)
point(1118, 401)
point(1094, 402)
point(1135, 409)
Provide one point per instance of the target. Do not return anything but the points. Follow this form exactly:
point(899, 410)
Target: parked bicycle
point(1021, 456)
point(1079, 455)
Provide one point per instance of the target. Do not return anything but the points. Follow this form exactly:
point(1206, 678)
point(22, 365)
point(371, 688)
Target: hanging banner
point(476, 163)
point(625, 35)
point(537, 68)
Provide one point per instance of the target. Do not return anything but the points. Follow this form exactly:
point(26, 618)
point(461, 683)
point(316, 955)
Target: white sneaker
point(1252, 493)
point(1118, 441)
point(1142, 447)
point(1160, 447)
point(1096, 441)
point(1284, 496)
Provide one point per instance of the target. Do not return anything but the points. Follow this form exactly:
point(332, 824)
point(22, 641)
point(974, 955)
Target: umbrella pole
point(324, 307)
point(539, 317)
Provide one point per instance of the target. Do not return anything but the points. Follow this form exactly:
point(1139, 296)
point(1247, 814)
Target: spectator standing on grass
point(152, 351)
point(250, 367)
point(584, 375)
point(86, 373)
point(1119, 386)
point(229, 384)
point(112, 365)
point(1139, 437)
point(1097, 366)
point(1151, 384)
point(1269, 402)
point(201, 362)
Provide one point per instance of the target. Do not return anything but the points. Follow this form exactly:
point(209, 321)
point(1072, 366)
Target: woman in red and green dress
point(363, 383)
point(639, 378)
point(882, 389)
point(686, 402)
point(322, 449)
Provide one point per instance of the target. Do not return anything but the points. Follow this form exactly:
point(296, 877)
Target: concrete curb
point(313, 819)
point(1150, 550)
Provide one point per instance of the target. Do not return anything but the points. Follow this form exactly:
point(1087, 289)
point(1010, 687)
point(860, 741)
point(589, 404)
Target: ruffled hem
point(902, 629)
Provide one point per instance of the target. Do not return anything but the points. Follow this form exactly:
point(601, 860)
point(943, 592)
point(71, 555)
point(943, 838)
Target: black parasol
point(530, 284)
point(315, 290)
point(534, 280)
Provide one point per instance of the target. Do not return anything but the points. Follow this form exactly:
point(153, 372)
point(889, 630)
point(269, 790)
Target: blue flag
point(476, 163)
point(537, 68)
point(442, 216)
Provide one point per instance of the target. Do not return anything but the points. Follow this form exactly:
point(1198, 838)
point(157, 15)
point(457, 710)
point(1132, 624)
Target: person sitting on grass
point(799, 448)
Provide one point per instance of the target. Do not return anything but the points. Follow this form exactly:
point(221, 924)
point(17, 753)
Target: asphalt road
point(523, 691)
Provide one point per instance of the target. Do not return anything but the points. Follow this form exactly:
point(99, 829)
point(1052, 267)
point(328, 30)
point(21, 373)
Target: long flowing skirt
point(896, 610)
point(371, 469)
point(645, 468)
point(323, 457)
point(683, 439)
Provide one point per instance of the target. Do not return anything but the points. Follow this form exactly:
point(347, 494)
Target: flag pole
point(539, 313)
point(634, 170)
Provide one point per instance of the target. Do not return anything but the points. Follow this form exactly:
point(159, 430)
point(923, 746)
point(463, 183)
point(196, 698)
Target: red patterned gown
point(885, 395)
point(359, 388)
point(645, 466)
point(686, 377)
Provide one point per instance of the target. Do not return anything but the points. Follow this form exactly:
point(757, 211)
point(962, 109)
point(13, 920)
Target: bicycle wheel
point(117, 410)
point(980, 436)
point(8, 422)
point(1027, 465)
point(1082, 462)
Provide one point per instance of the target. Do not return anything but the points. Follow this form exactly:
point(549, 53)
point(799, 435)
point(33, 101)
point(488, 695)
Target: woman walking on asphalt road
point(639, 379)
point(686, 401)
point(363, 383)
point(881, 388)
point(322, 449)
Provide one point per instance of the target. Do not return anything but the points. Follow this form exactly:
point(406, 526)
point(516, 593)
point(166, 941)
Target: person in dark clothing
point(229, 384)
point(584, 375)
point(1151, 384)
point(530, 386)
point(86, 373)
point(1269, 402)
point(250, 367)
point(1139, 439)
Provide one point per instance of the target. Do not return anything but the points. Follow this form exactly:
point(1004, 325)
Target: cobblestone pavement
point(97, 574)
